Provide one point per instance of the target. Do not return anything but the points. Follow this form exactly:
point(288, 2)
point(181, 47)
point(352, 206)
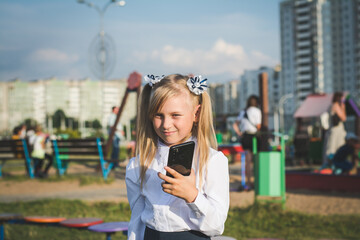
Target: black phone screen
point(180, 158)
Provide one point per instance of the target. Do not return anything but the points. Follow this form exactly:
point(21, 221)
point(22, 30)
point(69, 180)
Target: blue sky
point(215, 38)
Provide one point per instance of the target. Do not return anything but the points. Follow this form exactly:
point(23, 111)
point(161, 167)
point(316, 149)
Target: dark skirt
point(247, 141)
point(151, 234)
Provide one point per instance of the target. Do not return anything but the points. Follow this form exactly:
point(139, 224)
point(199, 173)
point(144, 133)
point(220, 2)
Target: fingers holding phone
point(178, 185)
point(180, 179)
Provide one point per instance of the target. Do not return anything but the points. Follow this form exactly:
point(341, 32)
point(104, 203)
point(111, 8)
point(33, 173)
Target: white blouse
point(249, 124)
point(152, 207)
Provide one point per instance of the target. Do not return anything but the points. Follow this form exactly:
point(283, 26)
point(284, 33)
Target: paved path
point(112, 192)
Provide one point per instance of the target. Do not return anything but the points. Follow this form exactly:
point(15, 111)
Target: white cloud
point(53, 55)
point(222, 57)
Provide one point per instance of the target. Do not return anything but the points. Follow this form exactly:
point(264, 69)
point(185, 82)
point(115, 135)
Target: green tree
point(29, 122)
point(96, 124)
point(59, 119)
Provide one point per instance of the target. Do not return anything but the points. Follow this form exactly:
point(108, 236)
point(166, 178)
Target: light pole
point(102, 57)
point(102, 52)
point(281, 109)
point(102, 11)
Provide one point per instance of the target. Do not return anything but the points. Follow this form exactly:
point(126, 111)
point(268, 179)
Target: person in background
point(346, 157)
point(117, 135)
point(38, 154)
point(336, 133)
point(22, 131)
point(247, 124)
point(16, 133)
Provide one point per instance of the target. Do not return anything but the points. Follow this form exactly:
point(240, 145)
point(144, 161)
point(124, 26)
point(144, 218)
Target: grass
point(269, 221)
point(83, 179)
point(257, 221)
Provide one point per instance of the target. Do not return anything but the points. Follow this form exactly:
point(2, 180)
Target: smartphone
point(181, 157)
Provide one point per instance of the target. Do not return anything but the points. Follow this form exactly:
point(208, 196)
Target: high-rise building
point(319, 47)
point(357, 41)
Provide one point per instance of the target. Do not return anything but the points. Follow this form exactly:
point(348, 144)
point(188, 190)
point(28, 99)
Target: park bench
point(81, 151)
point(15, 149)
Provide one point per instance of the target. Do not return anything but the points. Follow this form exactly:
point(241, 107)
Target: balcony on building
point(303, 77)
point(301, 2)
point(305, 35)
point(304, 69)
point(303, 18)
point(304, 85)
point(304, 43)
point(304, 26)
point(303, 52)
point(303, 60)
point(304, 9)
point(303, 93)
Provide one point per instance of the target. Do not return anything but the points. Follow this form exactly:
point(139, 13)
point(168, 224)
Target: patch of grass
point(88, 180)
point(7, 177)
point(270, 221)
point(83, 179)
point(257, 221)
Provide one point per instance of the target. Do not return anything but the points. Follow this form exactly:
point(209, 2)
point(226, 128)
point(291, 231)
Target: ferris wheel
point(102, 51)
point(102, 55)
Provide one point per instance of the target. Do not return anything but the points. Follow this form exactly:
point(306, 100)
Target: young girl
point(172, 110)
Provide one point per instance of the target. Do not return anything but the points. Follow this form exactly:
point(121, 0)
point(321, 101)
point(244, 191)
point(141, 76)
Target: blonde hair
point(152, 99)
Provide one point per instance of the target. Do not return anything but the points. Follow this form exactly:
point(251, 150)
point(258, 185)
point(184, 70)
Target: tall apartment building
point(83, 100)
point(319, 47)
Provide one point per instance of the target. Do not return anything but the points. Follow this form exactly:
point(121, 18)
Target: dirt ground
point(305, 201)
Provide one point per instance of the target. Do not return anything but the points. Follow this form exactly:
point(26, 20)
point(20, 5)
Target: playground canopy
point(314, 106)
point(317, 104)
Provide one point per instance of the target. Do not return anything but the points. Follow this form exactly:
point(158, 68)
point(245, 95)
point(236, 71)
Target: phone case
point(180, 158)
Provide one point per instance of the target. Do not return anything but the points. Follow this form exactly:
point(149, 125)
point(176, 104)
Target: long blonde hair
point(152, 99)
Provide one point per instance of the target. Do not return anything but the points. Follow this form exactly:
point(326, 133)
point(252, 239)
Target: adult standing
point(117, 135)
point(246, 126)
point(337, 133)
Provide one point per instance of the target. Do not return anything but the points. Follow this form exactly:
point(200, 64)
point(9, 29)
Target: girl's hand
point(180, 186)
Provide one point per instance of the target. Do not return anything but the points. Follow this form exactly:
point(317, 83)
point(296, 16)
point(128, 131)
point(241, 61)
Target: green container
point(268, 174)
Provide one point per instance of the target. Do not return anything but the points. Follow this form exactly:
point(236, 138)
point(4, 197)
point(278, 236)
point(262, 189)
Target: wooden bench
point(82, 151)
point(15, 150)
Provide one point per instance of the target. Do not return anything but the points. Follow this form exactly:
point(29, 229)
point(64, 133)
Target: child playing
point(172, 110)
